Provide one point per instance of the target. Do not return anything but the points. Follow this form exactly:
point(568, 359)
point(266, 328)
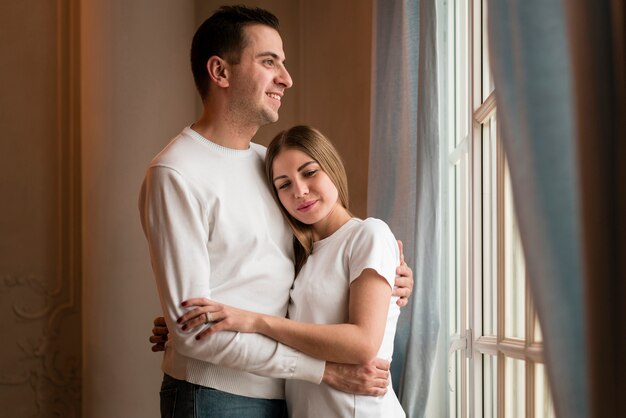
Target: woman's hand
point(222, 317)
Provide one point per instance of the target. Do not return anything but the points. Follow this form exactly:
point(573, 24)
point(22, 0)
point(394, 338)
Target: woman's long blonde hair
point(313, 143)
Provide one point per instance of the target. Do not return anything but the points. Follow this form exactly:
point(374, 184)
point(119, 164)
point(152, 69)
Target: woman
point(341, 307)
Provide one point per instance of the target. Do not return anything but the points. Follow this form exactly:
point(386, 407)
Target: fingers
point(403, 285)
point(157, 339)
point(196, 321)
point(400, 247)
point(403, 281)
point(157, 347)
point(212, 308)
point(403, 270)
point(159, 335)
point(381, 364)
point(197, 302)
point(160, 331)
point(403, 292)
point(375, 391)
point(211, 330)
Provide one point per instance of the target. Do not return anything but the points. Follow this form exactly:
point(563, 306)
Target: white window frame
point(468, 112)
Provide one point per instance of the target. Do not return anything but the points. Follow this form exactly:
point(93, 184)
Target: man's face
point(260, 78)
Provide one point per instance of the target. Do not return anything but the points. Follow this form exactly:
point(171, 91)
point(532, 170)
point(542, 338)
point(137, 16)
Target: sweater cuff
point(309, 369)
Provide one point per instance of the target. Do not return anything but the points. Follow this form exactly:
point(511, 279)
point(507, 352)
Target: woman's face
point(303, 188)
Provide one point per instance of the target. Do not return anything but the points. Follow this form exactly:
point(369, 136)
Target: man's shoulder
point(179, 149)
point(259, 149)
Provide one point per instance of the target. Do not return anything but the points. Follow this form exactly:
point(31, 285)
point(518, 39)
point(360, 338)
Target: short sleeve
point(373, 246)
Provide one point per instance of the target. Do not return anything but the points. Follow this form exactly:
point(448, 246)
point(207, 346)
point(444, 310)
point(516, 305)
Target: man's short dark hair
point(222, 35)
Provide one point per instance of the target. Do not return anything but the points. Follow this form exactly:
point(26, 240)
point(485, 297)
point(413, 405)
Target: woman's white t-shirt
point(320, 295)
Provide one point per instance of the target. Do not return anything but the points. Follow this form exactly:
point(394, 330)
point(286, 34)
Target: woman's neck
point(335, 219)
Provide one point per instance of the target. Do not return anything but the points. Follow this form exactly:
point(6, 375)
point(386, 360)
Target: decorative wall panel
point(40, 335)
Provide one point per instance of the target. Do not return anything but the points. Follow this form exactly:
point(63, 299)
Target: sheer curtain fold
point(404, 178)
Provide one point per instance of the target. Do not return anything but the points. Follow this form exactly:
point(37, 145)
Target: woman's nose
point(301, 189)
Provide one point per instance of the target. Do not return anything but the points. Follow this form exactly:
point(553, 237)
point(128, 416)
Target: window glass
point(514, 270)
point(514, 388)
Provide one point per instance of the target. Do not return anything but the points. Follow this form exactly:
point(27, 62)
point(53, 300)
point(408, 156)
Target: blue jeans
point(181, 399)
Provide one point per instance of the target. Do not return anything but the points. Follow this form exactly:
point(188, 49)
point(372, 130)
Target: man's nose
point(284, 79)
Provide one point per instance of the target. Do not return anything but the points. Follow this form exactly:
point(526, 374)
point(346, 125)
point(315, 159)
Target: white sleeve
point(176, 227)
point(373, 246)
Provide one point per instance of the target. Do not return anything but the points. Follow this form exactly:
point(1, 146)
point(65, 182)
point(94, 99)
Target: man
point(214, 230)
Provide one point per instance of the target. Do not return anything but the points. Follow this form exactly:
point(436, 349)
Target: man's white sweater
point(214, 231)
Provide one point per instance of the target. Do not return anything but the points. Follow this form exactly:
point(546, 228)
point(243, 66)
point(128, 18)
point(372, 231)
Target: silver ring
point(208, 318)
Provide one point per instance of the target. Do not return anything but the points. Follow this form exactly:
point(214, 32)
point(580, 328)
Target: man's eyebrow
point(270, 54)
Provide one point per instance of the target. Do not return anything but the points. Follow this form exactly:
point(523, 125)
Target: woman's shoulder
point(371, 229)
point(373, 226)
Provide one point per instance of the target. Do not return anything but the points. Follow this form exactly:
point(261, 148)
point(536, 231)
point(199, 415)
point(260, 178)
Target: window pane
point(489, 209)
point(514, 388)
point(490, 386)
point(538, 338)
point(543, 401)
point(514, 269)
point(454, 383)
point(462, 65)
point(487, 80)
point(455, 289)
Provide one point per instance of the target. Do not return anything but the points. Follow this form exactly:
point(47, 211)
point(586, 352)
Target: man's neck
point(224, 132)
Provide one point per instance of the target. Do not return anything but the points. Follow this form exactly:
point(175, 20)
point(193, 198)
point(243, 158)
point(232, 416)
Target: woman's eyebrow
point(302, 167)
point(306, 164)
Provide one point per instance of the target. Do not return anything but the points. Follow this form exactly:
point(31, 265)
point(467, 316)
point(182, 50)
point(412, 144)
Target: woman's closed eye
point(283, 186)
point(310, 173)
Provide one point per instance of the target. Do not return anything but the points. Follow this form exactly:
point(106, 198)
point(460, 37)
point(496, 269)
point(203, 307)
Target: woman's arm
point(354, 342)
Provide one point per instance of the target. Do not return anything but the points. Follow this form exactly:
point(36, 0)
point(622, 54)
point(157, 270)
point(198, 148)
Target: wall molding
point(52, 374)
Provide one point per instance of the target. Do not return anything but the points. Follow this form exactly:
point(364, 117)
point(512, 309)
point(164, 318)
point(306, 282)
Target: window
point(495, 361)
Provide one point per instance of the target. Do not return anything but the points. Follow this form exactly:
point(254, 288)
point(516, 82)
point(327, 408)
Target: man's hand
point(159, 334)
point(404, 280)
point(370, 379)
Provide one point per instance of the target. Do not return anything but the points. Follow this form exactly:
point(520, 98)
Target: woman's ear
point(218, 71)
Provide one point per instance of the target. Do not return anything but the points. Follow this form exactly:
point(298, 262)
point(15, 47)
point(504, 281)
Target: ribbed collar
point(229, 152)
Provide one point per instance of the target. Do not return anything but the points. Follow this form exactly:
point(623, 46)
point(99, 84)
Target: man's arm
point(175, 225)
point(369, 379)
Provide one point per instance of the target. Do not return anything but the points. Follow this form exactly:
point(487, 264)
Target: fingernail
point(184, 327)
point(197, 337)
point(184, 303)
point(179, 320)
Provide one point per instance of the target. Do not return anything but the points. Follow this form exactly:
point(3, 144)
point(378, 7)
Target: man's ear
point(218, 71)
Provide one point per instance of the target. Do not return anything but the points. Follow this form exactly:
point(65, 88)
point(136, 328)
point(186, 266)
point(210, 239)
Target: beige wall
point(328, 48)
point(92, 90)
point(136, 95)
point(335, 77)
point(40, 353)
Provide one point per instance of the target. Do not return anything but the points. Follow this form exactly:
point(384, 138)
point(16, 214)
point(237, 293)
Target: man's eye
point(269, 62)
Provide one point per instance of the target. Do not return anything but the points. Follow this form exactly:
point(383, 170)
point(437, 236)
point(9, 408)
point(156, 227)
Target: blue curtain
point(404, 178)
point(597, 34)
point(530, 60)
